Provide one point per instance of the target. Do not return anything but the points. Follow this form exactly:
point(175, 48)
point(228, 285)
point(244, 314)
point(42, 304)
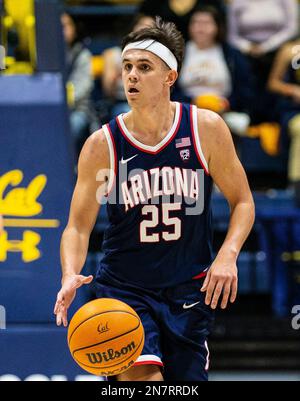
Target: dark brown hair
point(163, 32)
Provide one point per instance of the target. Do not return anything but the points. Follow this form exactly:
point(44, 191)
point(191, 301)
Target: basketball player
point(158, 249)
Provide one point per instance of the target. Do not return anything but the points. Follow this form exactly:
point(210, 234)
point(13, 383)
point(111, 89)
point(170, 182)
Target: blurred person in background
point(80, 82)
point(258, 28)
point(112, 71)
point(214, 74)
point(178, 11)
point(285, 81)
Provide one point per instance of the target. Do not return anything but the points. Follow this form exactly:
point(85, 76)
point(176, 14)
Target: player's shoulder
point(95, 143)
point(213, 132)
point(209, 122)
point(95, 151)
point(207, 116)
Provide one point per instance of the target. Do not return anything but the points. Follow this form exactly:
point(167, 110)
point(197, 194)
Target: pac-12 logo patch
point(185, 154)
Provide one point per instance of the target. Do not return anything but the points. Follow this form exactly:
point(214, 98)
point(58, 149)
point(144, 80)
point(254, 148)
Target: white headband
point(156, 48)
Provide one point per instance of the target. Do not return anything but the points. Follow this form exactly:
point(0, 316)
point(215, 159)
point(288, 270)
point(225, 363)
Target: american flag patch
point(182, 142)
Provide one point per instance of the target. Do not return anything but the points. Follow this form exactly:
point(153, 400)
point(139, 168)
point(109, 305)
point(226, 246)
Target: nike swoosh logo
point(185, 306)
point(127, 160)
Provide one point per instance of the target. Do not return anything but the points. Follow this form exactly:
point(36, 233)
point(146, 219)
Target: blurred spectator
point(178, 11)
point(112, 73)
point(258, 28)
point(285, 80)
point(215, 75)
point(80, 81)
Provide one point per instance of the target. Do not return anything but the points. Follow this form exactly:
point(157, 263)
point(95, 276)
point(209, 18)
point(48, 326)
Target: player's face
point(145, 77)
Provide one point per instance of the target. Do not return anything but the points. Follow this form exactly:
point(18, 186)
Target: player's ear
point(171, 77)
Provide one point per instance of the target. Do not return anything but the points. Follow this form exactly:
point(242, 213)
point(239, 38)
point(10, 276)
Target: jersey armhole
point(112, 157)
point(196, 138)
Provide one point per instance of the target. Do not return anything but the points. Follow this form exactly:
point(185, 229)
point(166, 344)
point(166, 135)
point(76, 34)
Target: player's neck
point(150, 125)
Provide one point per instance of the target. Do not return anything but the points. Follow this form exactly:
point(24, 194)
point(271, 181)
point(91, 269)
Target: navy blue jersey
point(158, 206)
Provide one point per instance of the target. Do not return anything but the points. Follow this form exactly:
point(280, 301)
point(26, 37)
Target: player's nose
point(133, 76)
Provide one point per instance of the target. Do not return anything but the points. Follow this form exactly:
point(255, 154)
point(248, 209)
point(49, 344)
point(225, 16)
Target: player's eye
point(144, 67)
point(127, 67)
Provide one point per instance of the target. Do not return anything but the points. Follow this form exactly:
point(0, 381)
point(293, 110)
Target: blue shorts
point(176, 323)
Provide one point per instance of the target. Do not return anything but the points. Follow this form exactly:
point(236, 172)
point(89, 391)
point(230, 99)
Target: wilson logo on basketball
point(110, 354)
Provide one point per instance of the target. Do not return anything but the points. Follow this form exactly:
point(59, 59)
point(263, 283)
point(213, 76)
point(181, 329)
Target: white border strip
point(111, 158)
point(197, 138)
point(149, 358)
point(159, 145)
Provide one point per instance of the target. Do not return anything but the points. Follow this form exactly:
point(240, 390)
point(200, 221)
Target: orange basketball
point(105, 337)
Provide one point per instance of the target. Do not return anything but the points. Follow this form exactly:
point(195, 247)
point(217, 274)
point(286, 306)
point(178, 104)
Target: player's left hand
point(221, 278)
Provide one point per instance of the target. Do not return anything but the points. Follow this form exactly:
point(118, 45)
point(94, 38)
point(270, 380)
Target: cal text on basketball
point(118, 391)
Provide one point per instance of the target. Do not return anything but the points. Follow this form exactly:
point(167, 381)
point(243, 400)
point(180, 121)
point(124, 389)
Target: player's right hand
point(67, 294)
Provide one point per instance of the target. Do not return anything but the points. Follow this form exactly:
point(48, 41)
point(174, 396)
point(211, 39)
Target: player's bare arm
point(83, 213)
point(229, 175)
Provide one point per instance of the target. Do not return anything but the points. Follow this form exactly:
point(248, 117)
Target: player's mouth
point(133, 91)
